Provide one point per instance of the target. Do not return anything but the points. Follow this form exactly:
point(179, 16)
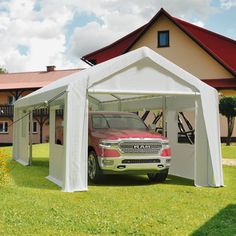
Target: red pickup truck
point(120, 143)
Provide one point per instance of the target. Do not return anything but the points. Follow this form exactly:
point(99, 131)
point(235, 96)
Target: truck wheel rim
point(91, 166)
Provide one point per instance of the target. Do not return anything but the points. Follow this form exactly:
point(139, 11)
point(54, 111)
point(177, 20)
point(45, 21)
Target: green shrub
point(4, 170)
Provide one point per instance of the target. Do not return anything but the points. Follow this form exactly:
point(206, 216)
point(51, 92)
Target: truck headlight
point(108, 144)
point(165, 151)
point(165, 145)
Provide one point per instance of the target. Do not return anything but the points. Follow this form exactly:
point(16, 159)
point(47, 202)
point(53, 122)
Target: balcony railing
point(41, 112)
point(8, 111)
point(44, 112)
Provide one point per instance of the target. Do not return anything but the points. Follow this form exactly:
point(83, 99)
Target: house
point(16, 85)
point(209, 56)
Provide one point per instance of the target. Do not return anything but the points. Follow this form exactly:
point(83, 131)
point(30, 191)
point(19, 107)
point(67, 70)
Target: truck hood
point(114, 134)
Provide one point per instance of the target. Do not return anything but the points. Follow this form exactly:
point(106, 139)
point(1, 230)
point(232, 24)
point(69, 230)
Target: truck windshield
point(117, 121)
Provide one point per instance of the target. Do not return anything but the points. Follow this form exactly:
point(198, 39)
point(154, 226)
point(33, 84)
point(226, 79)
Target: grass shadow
point(42, 162)
point(223, 223)
point(122, 180)
point(176, 180)
point(34, 177)
point(139, 180)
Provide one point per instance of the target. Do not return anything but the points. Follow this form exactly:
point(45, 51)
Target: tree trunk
point(41, 118)
point(230, 121)
point(41, 132)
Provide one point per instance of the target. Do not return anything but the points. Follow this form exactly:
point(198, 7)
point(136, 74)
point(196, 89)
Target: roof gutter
point(87, 61)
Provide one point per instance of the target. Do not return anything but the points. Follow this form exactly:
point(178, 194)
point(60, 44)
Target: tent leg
point(30, 138)
point(164, 133)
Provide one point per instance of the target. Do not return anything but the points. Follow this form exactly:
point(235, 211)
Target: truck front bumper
point(134, 164)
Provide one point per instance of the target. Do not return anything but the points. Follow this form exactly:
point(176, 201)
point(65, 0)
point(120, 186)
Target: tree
point(2, 70)
point(4, 170)
point(228, 108)
point(41, 116)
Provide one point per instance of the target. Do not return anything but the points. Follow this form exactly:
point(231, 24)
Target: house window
point(34, 127)
point(3, 127)
point(163, 39)
point(11, 100)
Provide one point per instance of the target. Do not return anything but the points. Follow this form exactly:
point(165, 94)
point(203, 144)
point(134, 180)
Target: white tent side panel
point(76, 138)
point(208, 150)
point(56, 152)
point(21, 137)
point(182, 163)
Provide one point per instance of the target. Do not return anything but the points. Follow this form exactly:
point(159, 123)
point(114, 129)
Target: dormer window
point(163, 39)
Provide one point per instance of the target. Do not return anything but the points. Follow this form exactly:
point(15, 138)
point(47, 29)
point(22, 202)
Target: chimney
point(50, 68)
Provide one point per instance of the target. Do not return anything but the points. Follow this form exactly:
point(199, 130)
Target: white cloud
point(40, 26)
point(41, 32)
point(21, 7)
point(84, 38)
point(227, 4)
point(199, 23)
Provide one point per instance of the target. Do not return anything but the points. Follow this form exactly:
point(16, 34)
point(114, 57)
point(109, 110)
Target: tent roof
point(221, 48)
point(171, 79)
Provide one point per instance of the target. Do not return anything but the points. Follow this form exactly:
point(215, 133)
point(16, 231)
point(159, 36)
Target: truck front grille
point(140, 147)
point(140, 161)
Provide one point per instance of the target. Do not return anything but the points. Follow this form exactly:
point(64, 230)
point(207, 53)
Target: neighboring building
point(209, 56)
point(16, 85)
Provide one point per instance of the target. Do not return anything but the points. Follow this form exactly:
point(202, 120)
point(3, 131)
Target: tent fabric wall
point(136, 80)
point(56, 152)
point(182, 163)
point(21, 137)
point(76, 137)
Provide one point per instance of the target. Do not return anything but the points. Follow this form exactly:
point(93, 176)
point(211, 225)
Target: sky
point(38, 33)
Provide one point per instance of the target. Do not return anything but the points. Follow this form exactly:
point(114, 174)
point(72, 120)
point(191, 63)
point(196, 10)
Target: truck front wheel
point(158, 177)
point(94, 172)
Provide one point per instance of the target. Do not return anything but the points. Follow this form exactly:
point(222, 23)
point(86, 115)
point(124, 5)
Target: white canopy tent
point(134, 81)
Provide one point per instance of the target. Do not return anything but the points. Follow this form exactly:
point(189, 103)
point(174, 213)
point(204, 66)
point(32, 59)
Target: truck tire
point(158, 177)
point(94, 172)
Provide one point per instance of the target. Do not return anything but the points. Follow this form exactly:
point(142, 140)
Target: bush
point(4, 170)
point(227, 108)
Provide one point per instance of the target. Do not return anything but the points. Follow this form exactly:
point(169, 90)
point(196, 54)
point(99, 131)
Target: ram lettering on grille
point(131, 147)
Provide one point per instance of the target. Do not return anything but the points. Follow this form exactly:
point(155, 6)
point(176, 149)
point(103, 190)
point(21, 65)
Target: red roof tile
point(221, 83)
point(221, 48)
point(32, 79)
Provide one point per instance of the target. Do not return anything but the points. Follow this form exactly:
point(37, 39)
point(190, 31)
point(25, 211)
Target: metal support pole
point(119, 101)
point(30, 138)
point(164, 133)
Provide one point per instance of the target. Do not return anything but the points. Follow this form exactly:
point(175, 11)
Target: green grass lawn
point(229, 151)
point(121, 205)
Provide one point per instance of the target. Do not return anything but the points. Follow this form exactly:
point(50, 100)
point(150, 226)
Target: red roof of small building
point(28, 80)
point(221, 48)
